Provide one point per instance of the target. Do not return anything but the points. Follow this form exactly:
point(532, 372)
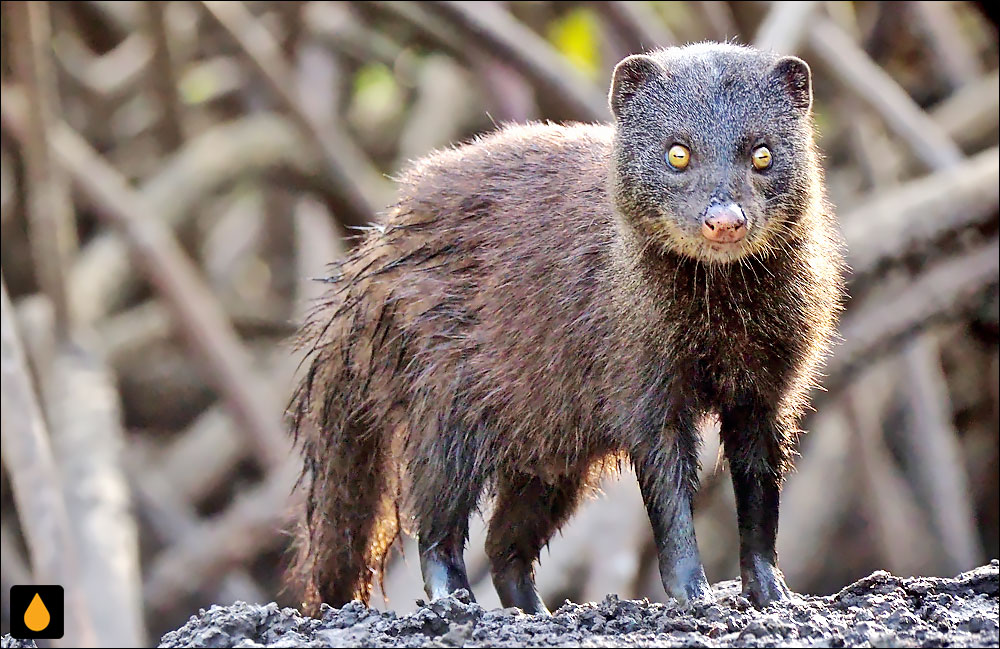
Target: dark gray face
point(720, 104)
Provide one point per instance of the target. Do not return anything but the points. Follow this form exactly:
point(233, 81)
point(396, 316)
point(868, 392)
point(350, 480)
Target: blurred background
point(176, 175)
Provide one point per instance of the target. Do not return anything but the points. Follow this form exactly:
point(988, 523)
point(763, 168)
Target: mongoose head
point(713, 154)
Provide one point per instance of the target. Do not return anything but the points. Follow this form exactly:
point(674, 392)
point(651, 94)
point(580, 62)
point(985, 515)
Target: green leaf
point(577, 36)
point(376, 92)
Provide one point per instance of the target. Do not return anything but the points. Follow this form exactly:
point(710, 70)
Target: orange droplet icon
point(36, 617)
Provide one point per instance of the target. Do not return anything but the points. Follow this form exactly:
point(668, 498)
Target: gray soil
point(878, 611)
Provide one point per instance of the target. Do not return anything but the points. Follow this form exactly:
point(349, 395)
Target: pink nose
point(724, 224)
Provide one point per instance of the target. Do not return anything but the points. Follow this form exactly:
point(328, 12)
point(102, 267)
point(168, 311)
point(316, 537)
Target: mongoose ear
point(630, 75)
point(795, 75)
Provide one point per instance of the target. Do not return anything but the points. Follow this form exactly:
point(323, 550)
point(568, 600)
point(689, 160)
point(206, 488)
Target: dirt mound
point(879, 610)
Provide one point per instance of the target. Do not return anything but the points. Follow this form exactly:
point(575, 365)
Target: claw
point(517, 588)
point(763, 583)
point(687, 583)
point(443, 572)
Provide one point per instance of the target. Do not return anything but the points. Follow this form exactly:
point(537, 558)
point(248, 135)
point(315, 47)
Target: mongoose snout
point(724, 223)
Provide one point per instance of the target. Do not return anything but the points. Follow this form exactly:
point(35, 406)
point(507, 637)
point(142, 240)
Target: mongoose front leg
point(527, 513)
point(668, 478)
point(753, 442)
point(443, 566)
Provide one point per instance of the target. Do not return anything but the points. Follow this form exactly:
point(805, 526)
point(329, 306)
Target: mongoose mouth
point(725, 248)
point(723, 252)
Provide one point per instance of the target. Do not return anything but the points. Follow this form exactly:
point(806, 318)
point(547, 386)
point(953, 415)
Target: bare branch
point(35, 481)
point(335, 26)
point(888, 317)
point(890, 506)
point(431, 26)
point(108, 78)
point(172, 520)
point(922, 211)
point(492, 29)
point(970, 115)
point(784, 26)
point(935, 454)
point(719, 19)
point(252, 524)
point(872, 85)
point(953, 53)
point(816, 496)
point(102, 275)
point(638, 24)
point(172, 273)
point(87, 438)
point(264, 52)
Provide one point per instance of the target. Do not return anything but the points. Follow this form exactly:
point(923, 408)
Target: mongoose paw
point(688, 584)
point(763, 583)
point(699, 592)
point(516, 589)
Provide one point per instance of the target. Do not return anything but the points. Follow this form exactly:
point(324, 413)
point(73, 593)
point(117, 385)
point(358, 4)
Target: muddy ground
point(878, 611)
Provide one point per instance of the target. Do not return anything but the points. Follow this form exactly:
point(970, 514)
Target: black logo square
point(36, 612)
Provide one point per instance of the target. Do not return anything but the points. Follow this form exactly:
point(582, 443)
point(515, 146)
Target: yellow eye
point(761, 157)
point(678, 157)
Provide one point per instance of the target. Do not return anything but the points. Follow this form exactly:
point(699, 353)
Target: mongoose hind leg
point(668, 479)
point(443, 566)
point(754, 444)
point(447, 493)
point(527, 513)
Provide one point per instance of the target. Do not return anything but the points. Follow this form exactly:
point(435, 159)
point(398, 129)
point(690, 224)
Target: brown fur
point(506, 326)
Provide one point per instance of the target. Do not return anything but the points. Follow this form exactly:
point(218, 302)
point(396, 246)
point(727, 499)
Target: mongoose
point(549, 299)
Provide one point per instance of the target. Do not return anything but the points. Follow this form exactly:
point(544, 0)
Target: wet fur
point(516, 322)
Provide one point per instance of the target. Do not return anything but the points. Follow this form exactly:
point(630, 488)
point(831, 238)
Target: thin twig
point(50, 209)
point(163, 77)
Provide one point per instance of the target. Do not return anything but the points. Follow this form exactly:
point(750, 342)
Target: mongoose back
point(551, 299)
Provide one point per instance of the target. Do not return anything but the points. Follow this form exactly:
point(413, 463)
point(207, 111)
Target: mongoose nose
point(724, 224)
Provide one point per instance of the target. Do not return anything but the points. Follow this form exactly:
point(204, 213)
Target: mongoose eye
point(761, 157)
point(678, 157)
